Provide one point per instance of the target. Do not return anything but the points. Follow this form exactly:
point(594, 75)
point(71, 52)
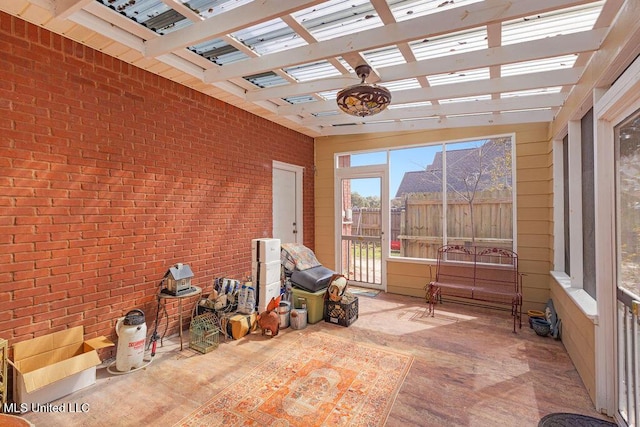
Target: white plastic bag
point(246, 299)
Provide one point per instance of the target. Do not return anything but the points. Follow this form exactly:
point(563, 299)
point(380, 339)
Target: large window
point(458, 192)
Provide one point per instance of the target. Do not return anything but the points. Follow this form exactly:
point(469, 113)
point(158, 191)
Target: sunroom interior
point(137, 134)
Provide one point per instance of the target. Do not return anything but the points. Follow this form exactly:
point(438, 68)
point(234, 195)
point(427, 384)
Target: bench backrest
point(480, 266)
point(456, 263)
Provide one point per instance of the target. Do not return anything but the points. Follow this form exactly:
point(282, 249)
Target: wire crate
point(204, 333)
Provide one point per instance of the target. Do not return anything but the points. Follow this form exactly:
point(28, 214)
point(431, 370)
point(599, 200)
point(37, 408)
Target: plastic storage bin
point(314, 301)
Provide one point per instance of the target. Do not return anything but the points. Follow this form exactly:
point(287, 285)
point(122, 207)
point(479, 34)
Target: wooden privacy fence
point(418, 225)
point(366, 222)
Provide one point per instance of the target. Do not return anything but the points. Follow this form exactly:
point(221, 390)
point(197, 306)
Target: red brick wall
point(110, 174)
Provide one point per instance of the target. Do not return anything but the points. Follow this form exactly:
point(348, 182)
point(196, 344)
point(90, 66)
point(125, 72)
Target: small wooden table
point(195, 290)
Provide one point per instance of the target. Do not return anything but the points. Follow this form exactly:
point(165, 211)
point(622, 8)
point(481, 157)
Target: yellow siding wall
point(534, 202)
point(578, 336)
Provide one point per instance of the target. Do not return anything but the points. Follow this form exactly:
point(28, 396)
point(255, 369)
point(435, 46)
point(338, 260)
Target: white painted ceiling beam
point(309, 38)
point(452, 20)
point(181, 64)
point(107, 29)
point(529, 102)
point(585, 41)
point(62, 9)
point(118, 20)
point(225, 23)
point(457, 90)
point(540, 116)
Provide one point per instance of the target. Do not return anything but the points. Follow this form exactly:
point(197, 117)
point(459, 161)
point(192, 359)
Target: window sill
point(407, 260)
point(579, 296)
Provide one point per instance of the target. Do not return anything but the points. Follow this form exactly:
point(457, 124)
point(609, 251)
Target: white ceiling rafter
point(460, 90)
point(551, 100)
point(235, 19)
point(526, 51)
point(451, 20)
point(443, 123)
point(447, 64)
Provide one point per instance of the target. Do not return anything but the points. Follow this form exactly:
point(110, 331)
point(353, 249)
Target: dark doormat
point(562, 419)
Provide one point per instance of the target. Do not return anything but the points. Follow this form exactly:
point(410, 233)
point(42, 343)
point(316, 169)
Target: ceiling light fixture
point(363, 99)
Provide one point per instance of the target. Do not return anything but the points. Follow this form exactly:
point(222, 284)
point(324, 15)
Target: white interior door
point(287, 203)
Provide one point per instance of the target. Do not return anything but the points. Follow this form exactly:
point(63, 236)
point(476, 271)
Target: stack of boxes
point(265, 270)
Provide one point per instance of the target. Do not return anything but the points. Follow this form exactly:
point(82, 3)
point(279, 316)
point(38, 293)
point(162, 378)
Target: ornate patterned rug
point(319, 380)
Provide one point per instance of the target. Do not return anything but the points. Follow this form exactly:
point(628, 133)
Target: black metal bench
point(485, 274)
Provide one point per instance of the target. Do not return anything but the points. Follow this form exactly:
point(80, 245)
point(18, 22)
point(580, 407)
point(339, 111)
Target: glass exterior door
point(627, 137)
point(362, 230)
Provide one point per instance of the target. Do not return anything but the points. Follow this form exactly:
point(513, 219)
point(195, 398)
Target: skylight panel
point(450, 44)
point(268, 79)
point(538, 91)
point(317, 70)
point(459, 77)
point(384, 57)
point(326, 114)
point(209, 8)
point(268, 37)
point(339, 18)
point(408, 9)
point(332, 94)
point(402, 85)
point(140, 11)
point(302, 99)
point(153, 14)
point(466, 99)
point(409, 105)
point(315, 14)
point(346, 65)
point(218, 51)
point(565, 21)
point(546, 64)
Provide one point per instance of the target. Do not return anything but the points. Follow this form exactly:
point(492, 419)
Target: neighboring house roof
point(463, 166)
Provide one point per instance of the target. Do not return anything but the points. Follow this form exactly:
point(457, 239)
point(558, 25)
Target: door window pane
point(628, 204)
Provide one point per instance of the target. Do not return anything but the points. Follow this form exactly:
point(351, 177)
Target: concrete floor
point(469, 370)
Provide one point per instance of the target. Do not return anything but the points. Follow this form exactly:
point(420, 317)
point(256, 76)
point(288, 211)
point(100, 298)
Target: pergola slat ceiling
point(447, 63)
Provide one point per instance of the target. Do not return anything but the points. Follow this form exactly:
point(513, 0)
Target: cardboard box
point(55, 365)
point(266, 272)
point(239, 325)
point(265, 293)
point(265, 250)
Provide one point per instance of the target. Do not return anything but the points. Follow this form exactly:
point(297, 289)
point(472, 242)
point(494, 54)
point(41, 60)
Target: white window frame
point(573, 285)
point(386, 184)
point(612, 107)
